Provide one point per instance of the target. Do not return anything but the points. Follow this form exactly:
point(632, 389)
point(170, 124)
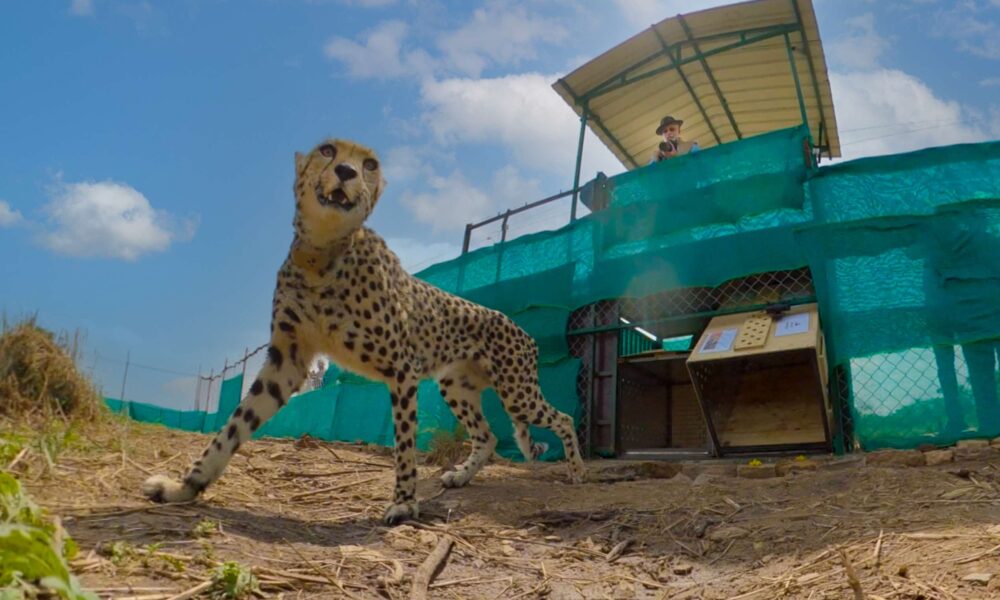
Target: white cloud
point(522, 112)
point(381, 54)
point(511, 188)
point(886, 111)
point(498, 34)
point(449, 203)
point(81, 8)
point(403, 163)
point(862, 48)
point(994, 119)
point(108, 219)
point(453, 202)
point(972, 24)
point(990, 81)
point(416, 255)
point(8, 216)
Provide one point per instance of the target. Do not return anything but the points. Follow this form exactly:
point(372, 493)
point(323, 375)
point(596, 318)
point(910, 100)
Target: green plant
point(33, 549)
point(121, 552)
point(232, 581)
point(207, 556)
point(205, 528)
point(9, 448)
point(56, 438)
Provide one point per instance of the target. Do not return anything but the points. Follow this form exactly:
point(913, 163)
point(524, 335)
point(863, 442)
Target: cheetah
point(342, 293)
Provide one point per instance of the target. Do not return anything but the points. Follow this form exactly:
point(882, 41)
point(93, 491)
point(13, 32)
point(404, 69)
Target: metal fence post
point(208, 393)
point(121, 395)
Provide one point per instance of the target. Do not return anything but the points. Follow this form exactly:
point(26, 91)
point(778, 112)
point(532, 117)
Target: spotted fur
point(341, 292)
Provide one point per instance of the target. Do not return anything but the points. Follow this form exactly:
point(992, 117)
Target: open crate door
point(658, 411)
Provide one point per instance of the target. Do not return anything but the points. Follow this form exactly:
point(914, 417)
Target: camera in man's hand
point(667, 147)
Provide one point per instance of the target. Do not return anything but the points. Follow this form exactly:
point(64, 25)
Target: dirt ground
point(305, 515)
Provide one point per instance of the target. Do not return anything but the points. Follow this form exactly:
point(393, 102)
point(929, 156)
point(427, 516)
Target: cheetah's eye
point(328, 150)
point(370, 164)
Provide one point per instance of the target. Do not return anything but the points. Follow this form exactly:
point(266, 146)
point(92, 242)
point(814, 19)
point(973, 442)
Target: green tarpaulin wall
point(903, 250)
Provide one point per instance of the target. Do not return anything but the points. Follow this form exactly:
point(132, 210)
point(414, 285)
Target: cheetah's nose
point(345, 172)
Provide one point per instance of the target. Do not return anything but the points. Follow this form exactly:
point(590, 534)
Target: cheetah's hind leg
point(462, 388)
point(524, 403)
point(529, 448)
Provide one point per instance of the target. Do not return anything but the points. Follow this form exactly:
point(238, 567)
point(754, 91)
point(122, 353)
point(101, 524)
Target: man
point(672, 144)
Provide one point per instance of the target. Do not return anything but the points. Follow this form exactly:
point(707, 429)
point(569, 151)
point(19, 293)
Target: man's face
point(672, 131)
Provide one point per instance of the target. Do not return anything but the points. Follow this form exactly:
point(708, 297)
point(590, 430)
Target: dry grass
point(447, 448)
point(306, 519)
point(38, 375)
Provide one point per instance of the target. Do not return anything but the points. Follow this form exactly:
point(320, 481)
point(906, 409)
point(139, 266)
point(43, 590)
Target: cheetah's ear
point(300, 163)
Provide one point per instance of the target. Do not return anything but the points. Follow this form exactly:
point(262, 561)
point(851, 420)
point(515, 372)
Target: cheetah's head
point(336, 188)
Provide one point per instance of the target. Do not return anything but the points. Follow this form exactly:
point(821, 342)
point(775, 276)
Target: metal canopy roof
point(727, 72)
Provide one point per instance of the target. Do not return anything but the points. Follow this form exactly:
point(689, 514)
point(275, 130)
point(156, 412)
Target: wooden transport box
point(762, 383)
point(658, 414)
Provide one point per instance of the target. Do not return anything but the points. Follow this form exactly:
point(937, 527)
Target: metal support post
point(710, 75)
point(467, 239)
point(579, 160)
point(795, 76)
point(503, 226)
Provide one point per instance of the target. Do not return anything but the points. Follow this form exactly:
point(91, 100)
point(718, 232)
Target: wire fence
point(133, 380)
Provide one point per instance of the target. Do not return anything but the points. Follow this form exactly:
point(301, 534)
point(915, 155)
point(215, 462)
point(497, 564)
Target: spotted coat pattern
point(341, 292)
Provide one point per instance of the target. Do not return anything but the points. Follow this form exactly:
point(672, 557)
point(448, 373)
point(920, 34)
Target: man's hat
point(667, 121)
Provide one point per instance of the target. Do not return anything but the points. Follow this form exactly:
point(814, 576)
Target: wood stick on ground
point(426, 571)
point(852, 577)
point(191, 593)
point(17, 459)
point(333, 488)
point(878, 549)
point(976, 557)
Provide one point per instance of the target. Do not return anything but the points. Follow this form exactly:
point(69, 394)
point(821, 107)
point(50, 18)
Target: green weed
point(33, 549)
point(232, 581)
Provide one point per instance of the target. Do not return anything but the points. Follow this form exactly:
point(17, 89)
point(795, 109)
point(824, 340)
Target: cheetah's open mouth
point(337, 198)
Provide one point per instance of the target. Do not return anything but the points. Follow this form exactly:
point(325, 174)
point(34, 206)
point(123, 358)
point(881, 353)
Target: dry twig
point(332, 488)
point(852, 577)
point(191, 593)
point(427, 569)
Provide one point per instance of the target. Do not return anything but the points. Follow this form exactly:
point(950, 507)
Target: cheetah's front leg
point(404, 416)
point(280, 376)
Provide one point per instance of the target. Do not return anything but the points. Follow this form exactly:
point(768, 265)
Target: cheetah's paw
point(160, 488)
point(456, 478)
point(577, 474)
point(401, 511)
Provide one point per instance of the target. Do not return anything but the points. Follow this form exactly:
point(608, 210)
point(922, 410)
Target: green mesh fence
point(903, 251)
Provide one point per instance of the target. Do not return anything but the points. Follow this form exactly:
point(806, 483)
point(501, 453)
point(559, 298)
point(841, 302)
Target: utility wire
point(899, 124)
point(898, 133)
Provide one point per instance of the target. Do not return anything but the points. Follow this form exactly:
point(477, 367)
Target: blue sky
point(146, 147)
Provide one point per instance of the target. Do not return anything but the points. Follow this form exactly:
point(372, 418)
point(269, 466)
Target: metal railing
point(505, 216)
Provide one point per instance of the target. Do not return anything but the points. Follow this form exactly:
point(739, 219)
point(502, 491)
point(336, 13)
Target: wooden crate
point(763, 387)
point(657, 408)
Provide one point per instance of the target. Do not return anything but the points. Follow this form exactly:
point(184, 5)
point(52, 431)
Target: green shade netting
point(903, 251)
